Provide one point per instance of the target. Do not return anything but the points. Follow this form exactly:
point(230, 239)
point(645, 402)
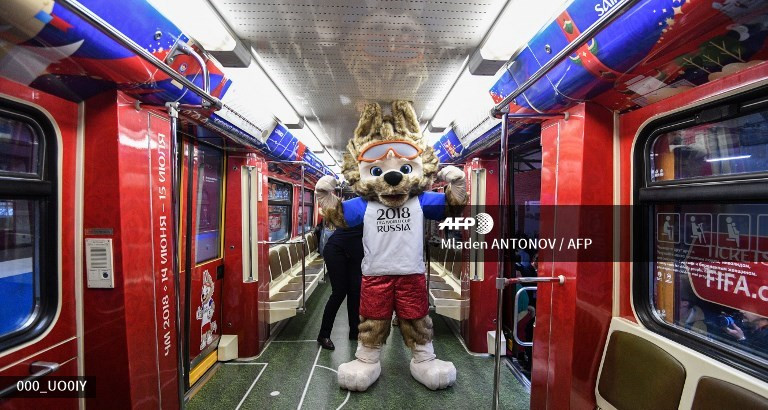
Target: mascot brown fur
point(390, 167)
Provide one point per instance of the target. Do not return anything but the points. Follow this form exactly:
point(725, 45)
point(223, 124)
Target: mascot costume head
point(391, 169)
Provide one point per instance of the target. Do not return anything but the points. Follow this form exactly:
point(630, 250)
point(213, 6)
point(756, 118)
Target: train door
point(520, 301)
point(38, 247)
point(202, 261)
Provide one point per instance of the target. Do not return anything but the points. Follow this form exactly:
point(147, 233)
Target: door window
point(20, 145)
point(208, 222)
point(28, 272)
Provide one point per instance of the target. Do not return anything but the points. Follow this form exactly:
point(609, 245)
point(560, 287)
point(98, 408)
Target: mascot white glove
point(457, 183)
point(324, 189)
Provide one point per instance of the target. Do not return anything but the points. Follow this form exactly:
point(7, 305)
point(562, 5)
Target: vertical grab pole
point(188, 264)
point(303, 245)
point(503, 202)
point(429, 259)
point(173, 113)
point(250, 224)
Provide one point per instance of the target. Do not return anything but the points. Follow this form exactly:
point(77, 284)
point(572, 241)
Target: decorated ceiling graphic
point(45, 46)
point(657, 49)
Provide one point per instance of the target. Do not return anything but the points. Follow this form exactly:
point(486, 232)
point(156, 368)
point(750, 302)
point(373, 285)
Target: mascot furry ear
point(390, 167)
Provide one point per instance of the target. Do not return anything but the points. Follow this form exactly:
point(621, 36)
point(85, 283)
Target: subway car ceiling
point(288, 79)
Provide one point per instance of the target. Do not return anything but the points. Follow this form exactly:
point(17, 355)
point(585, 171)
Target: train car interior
point(166, 196)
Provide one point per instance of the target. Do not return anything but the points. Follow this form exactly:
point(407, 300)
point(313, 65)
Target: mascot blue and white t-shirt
point(390, 168)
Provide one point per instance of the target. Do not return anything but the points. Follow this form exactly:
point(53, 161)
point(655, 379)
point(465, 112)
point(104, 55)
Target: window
point(702, 268)
point(20, 145)
point(28, 228)
point(279, 201)
point(732, 146)
point(710, 271)
point(208, 222)
point(308, 209)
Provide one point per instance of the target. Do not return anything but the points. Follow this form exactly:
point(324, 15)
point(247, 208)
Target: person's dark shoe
point(326, 343)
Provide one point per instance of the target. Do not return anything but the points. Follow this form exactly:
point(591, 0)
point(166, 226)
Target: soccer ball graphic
point(484, 223)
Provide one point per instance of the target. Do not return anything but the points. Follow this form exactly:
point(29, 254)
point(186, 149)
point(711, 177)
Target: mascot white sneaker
point(360, 374)
point(431, 372)
point(391, 169)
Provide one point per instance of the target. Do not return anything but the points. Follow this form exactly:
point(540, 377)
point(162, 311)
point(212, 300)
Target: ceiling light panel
point(307, 138)
point(198, 20)
point(469, 96)
point(255, 96)
point(519, 22)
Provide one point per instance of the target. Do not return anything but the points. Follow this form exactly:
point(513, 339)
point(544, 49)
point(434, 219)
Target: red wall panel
point(104, 314)
point(483, 294)
point(241, 313)
point(572, 320)
point(121, 324)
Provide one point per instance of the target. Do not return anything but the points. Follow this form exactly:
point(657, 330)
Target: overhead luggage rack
point(503, 106)
point(106, 28)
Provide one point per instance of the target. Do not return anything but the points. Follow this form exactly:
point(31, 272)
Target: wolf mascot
point(390, 168)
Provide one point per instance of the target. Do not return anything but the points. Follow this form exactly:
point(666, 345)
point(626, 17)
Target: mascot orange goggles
point(379, 150)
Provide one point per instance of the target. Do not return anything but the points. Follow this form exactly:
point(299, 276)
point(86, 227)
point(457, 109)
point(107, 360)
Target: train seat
point(436, 278)
point(285, 296)
point(285, 288)
point(712, 393)
point(638, 374)
point(440, 286)
point(445, 283)
point(292, 286)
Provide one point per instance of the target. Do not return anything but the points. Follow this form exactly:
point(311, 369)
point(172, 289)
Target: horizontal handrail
point(303, 163)
point(83, 12)
point(579, 41)
point(539, 116)
point(501, 283)
point(281, 242)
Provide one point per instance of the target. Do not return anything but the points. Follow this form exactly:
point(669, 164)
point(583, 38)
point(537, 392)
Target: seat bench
point(446, 266)
point(285, 287)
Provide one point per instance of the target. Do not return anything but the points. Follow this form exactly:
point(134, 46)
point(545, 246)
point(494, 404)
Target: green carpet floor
point(293, 372)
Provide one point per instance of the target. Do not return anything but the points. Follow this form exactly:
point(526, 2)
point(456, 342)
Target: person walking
point(343, 255)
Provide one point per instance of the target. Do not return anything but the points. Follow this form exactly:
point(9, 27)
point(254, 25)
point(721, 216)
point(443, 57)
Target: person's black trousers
point(342, 260)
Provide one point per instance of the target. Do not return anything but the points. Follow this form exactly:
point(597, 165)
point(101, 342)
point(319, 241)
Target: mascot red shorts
point(405, 294)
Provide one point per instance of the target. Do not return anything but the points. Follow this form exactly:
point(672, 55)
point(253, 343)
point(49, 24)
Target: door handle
point(37, 370)
point(514, 316)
